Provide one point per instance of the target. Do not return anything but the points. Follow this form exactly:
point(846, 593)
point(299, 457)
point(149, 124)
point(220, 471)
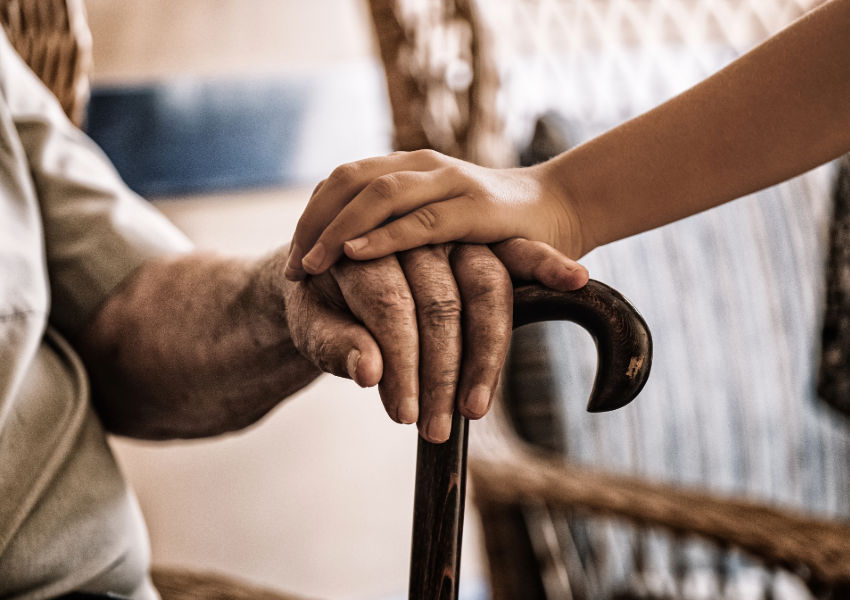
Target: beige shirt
point(70, 232)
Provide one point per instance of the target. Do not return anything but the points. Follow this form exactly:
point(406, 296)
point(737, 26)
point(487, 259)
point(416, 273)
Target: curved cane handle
point(623, 340)
point(624, 345)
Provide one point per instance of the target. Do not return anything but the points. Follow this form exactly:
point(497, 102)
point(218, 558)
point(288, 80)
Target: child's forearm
point(778, 111)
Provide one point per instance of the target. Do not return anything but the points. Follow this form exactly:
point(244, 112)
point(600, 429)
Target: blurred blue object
point(186, 136)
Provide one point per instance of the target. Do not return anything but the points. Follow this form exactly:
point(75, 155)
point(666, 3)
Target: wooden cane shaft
point(624, 347)
point(438, 515)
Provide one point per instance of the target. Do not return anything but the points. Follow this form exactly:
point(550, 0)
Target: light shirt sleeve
point(70, 232)
point(97, 231)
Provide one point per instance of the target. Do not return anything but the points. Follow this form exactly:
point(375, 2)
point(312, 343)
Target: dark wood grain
point(624, 345)
point(438, 515)
point(623, 340)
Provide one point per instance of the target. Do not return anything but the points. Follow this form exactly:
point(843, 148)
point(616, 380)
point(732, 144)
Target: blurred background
point(226, 113)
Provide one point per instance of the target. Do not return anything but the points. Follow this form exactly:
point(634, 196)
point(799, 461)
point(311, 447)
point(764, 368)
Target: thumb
point(526, 260)
point(336, 343)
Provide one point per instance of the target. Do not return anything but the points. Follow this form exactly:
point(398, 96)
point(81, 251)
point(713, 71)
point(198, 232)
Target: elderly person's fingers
point(526, 260)
point(438, 312)
point(331, 338)
point(487, 297)
point(377, 293)
point(343, 185)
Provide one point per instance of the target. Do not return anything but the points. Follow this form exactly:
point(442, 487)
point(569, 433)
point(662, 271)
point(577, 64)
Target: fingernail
point(357, 245)
point(408, 411)
point(292, 271)
point(351, 365)
point(314, 259)
point(478, 400)
point(575, 278)
point(439, 428)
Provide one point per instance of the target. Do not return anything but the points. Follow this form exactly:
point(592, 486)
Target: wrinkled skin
point(199, 345)
point(436, 323)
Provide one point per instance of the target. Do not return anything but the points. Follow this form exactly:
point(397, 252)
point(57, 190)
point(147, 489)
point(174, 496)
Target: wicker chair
point(459, 74)
point(448, 101)
point(53, 38)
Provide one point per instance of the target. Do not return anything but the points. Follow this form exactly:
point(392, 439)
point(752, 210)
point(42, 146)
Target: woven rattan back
point(469, 78)
point(602, 61)
point(53, 38)
point(438, 59)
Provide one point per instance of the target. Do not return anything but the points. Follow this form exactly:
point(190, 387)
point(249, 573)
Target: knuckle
point(493, 293)
point(437, 393)
point(318, 187)
point(316, 347)
point(385, 188)
point(344, 175)
point(320, 348)
point(429, 156)
point(454, 171)
point(428, 218)
point(440, 312)
point(438, 390)
point(394, 304)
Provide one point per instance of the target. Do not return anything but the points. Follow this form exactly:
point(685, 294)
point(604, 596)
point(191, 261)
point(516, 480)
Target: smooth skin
point(201, 344)
point(776, 112)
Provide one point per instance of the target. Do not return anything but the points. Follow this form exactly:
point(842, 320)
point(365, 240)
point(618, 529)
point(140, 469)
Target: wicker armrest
point(776, 536)
point(53, 37)
point(180, 584)
point(506, 472)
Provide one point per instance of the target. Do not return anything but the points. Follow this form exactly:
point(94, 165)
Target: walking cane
point(624, 347)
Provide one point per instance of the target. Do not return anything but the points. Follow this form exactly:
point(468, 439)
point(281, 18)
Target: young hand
point(433, 199)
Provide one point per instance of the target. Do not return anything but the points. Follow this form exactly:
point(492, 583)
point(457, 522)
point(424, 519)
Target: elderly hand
point(198, 345)
point(428, 325)
point(425, 326)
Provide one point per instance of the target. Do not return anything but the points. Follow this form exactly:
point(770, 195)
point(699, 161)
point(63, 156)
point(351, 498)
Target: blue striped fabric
point(734, 300)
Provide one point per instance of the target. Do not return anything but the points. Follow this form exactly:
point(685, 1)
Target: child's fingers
point(392, 195)
point(447, 221)
point(346, 181)
point(535, 261)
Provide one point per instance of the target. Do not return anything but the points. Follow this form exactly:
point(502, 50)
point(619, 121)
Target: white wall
point(144, 40)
